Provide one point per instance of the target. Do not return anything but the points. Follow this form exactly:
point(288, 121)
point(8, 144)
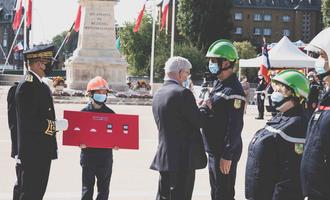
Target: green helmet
point(294, 80)
point(223, 49)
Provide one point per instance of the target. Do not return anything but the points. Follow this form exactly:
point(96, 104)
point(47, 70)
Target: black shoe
point(258, 118)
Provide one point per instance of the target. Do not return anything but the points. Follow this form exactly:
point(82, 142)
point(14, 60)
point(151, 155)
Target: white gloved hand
point(61, 124)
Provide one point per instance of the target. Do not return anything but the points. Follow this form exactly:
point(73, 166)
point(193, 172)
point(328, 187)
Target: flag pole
point(173, 25)
point(30, 29)
point(3, 52)
point(25, 37)
point(12, 45)
point(65, 39)
point(153, 45)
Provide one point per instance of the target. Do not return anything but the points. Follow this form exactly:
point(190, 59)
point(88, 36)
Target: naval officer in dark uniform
point(180, 149)
point(36, 124)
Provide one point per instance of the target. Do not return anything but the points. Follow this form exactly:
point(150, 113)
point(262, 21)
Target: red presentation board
point(101, 130)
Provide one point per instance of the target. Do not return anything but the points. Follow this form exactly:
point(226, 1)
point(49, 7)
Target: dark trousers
point(222, 186)
point(17, 186)
point(176, 185)
point(103, 176)
point(261, 104)
point(34, 178)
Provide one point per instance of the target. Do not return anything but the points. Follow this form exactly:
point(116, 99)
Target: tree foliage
point(67, 48)
point(136, 47)
point(204, 21)
point(246, 50)
point(326, 13)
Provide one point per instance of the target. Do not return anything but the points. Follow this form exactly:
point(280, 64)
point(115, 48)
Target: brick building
point(297, 19)
point(7, 35)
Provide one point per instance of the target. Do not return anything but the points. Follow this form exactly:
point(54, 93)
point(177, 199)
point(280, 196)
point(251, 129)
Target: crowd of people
point(287, 159)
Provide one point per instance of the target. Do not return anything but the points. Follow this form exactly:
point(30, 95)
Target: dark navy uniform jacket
point(12, 120)
point(313, 96)
point(96, 156)
point(180, 144)
point(262, 84)
point(35, 111)
point(224, 123)
point(315, 165)
point(274, 155)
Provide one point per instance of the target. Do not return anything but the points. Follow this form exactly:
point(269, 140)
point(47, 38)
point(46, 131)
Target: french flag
point(77, 21)
point(265, 65)
point(139, 19)
point(18, 15)
point(164, 12)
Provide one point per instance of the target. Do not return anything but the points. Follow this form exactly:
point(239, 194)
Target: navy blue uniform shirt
point(96, 156)
point(224, 123)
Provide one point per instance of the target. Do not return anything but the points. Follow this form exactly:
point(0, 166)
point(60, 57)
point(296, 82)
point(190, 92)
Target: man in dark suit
point(36, 124)
point(180, 149)
point(12, 124)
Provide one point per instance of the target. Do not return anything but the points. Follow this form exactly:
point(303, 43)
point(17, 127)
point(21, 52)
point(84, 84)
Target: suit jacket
point(34, 107)
point(12, 121)
point(178, 120)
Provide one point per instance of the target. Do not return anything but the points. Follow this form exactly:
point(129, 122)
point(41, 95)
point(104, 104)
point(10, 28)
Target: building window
point(4, 43)
point(257, 31)
point(257, 17)
point(268, 18)
point(286, 32)
point(238, 30)
point(267, 31)
point(238, 16)
point(285, 18)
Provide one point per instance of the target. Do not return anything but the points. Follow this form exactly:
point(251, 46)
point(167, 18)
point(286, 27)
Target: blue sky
point(51, 17)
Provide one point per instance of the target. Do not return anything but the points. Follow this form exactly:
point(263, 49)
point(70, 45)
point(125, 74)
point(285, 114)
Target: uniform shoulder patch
point(29, 78)
point(237, 103)
point(299, 148)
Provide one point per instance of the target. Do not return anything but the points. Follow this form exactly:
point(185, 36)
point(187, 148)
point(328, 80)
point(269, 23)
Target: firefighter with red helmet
point(96, 162)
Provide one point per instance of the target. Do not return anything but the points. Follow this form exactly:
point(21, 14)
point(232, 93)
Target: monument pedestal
point(96, 54)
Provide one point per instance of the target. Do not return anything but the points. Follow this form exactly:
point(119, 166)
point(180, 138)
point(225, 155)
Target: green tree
point(137, 46)
point(326, 13)
point(246, 50)
point(137, 49)
point(204, 21)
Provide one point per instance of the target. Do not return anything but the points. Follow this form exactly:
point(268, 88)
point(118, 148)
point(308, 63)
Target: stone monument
point(96, 53)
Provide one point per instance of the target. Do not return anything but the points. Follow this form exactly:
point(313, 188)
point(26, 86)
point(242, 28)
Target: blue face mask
point(278, 99)
point(319, 66)
point(213, 67)
point(99, 98)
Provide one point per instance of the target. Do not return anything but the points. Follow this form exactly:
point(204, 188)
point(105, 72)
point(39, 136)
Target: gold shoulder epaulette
point(51, 127)
point(29, 78)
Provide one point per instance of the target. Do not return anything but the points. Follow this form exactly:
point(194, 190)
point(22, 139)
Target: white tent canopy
point(283, 55)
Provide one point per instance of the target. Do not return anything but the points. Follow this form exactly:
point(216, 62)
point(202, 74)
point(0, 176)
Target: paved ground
point(131, 179)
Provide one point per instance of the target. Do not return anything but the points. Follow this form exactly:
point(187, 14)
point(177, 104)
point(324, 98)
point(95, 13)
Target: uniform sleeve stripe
point(227, 97)
point(285, 136)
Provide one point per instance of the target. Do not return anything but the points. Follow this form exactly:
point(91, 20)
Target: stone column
point(96, 53)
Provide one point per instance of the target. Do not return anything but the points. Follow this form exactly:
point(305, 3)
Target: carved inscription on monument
point(99, 21)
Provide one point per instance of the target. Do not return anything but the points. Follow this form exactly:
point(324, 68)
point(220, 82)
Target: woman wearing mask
point(274, 154)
